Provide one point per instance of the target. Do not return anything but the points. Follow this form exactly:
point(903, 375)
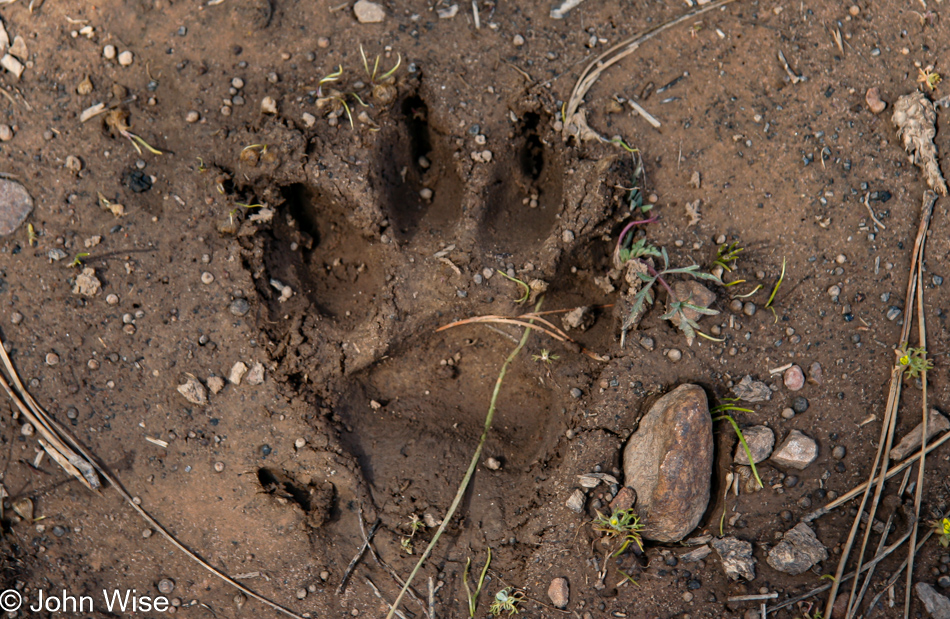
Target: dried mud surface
point(388, 409)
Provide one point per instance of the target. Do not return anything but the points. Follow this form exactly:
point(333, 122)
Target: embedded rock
point(797, 452)
point(15, 205)
point(798, 551)
point(737, 559)
point(760, 440)
point(668, 461)
point(752, 390)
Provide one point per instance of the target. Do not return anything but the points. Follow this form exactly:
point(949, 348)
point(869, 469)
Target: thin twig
point(359, 555)
point(379, 594)
point(871, 212)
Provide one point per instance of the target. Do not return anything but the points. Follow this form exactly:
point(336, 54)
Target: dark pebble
point(800, 404)
point(266, 450)
point(138, 181)
point(840, 467)
point(791, 481)
point(848, 317)
point(240, 307)
point(944, 582)
point(786, 515)
point(804, 502)
point(59, 531)
point(671, 561)
point(820, 494)
point(693, 585)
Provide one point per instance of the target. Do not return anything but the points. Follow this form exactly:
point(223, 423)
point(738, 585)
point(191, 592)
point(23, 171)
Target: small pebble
point(16, 318)
point(944, 582)
point(425, 193)
point(112, 299)
point(323, 43)
point(192, 117)
point(26, 429)
point(301, 593)
point(814, 374)
point(794, 378)
point(207, 278)
point(800, 404)
point(125, 58)
point(237, 83)
point(839, 452)
point(834, 291)
point(854, 10)
point(576, 393)
point(52, 359)
point(240, 307)
point(687, 596)
point(166, 586)
point(268, 105)
point(147, 533)
point(218, 466)
point(791, 481)
point(266, 450)
point(674, 354)
point(59, 531)
point(873, 99)
point(559, 592)
point(735, 305)
point(647, 342)
point(749, 309)
point(493, 464)
point(787, 413)
point(300, 443)
point(518, 40)
point(893, 312)
point(6, 133)
point(108, 52)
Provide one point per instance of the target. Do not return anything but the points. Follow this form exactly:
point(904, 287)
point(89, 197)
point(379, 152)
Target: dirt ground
point(388, 229)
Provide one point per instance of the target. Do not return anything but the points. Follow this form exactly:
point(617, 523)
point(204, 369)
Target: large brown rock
point(668, 461)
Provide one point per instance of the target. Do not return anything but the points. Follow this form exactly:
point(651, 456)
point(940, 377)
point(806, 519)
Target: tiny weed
point(415, 525)
point(406, 544)
point(506, 600)
point(77, 261)
point(929, 77)
point(628, 577)
point(721, 413)
point(778, 284)
point(545, 356)
point(914, 361)
point(623, 524)
point(473, 598)
point(638, 249)
point(524, 285)
point(728, 254)
point(32, 237)
point(942, 530)
point(201, 165)
point(744, 296)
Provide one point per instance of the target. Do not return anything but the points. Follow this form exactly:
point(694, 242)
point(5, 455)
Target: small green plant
point(406, 544)
point(623, 524)
point(545, 356)
point(915, 361)
point(473, 598)
point(728, 254)
point(942, 530)
point(721, 413)
point(77, 261)
point(676, 313)
point(506, 600)
point(636, 249)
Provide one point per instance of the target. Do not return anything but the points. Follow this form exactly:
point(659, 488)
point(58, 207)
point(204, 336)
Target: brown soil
point(390, 410)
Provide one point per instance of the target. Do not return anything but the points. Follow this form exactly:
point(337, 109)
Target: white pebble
point(108, 52)
point(192, 117)
point(268, 105)
point(237, 83)
point(125, 58)
point(425, 193)
point(207, 278)
point(6, 133)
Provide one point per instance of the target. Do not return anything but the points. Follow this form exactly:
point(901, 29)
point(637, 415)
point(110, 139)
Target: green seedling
point(137, 141)
point(721, 413)
point(778, 285)
point(545, 356)
point(32, 237)
point(623, 524)
point(372, 75)
point(728, 254)
point(77, 261)
point(915, 361)
point(628, 577)
point(524, 285)
point(636, 249)
point(506, 600)
point(744, 296)
point(473, 598)
point(406, 544)
point(201, 165)
point(942, 531)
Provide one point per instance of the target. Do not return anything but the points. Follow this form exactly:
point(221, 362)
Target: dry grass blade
point(78, 462)
point(918, 495)
point(575, 122)
point(527, 321)
point(882, 456)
